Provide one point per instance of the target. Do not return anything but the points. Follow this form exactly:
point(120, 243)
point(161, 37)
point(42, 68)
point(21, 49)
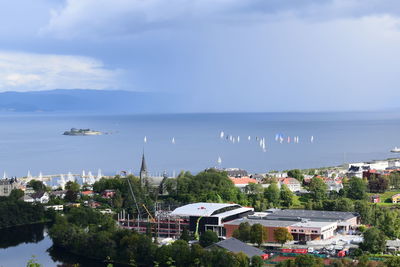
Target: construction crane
point(148, 212)
point(134, 199)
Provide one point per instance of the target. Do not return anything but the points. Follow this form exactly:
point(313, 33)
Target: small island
point(80, 132)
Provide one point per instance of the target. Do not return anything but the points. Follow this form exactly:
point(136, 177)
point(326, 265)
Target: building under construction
point(195, 217)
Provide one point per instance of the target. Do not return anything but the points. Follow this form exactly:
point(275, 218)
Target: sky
point(219, 55)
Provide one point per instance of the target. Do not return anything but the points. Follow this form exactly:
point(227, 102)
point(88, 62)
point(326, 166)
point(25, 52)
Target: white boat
point(395, 150)
point(173, 140)
point(221, 135)
point(219, 161)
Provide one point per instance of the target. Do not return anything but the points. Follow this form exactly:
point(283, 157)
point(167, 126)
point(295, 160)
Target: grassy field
point(386, 198)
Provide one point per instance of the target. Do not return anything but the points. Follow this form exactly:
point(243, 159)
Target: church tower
point(143, 171)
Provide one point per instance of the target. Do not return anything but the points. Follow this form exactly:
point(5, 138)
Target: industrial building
point(304, 225)
point(211, 216)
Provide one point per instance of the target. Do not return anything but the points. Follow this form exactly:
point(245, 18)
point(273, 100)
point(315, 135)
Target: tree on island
point(282, 235)
point(258, 234)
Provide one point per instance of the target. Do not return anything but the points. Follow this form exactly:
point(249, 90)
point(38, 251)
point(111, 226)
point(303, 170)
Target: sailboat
point(219, 161)
point(312, 139)
point(249, 138)
point(238, 139)
point(221, 135)
point(173, 140)
point(145, 139)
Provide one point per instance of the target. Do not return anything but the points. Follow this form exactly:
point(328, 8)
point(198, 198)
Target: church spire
point(143, 170)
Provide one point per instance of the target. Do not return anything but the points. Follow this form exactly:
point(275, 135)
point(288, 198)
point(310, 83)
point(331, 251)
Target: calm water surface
point(35, 142)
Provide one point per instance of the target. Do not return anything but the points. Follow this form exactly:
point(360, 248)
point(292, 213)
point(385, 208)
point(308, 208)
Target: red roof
point(89, 192)
point(244, 180)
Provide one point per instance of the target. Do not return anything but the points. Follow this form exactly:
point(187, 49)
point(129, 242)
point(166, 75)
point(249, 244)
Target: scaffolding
point(163, 224)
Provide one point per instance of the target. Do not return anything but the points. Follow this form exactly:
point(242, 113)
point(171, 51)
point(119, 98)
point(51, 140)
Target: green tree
point(242, 259)
point(318, 189)
point(286, 263)
point(390, 224)
point(258, 234)
point(16, 194)
point(374, 240)
point(256, 261)
point(185, 235)
point(307, 260)
point(272, 194)
point(286, 196)
point(393, 262)
point(73, 186)
point(297, 174)
point(71, 196)
point(33, 263)
point(243, 232)
point(282, 235)
point(37, 186)
point(208, 238)
point(357, 189)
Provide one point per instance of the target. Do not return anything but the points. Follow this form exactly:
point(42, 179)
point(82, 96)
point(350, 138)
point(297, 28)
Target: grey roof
point(314, 215)
point(234, 245)
point(266, 223)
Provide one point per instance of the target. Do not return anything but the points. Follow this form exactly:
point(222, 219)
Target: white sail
point(173, 140)
point(145, 139)
point(238, 139)
point(4, 175)
point(99, 174)
point(312, 139)
point(40, 176)
point(219, 161)
point(249, 138)
point(221, 135)
point(62, 182)
point(29, 175)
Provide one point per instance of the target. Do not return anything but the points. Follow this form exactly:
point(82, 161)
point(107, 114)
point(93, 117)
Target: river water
point(20, 244)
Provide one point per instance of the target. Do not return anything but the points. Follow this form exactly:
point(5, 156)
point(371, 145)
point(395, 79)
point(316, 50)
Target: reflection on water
point(19, 244)
point(14, 236)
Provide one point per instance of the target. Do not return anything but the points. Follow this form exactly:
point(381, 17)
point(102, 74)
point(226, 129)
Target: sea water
point(34, 142)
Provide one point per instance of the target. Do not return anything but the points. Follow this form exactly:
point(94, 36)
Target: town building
point(304, 225)
point(396, 198)
point(393, 246)
point(293, 184)
point(236, 172)
point(7, 185)
point(334, 185)
point(375, 199)
point(242, 182)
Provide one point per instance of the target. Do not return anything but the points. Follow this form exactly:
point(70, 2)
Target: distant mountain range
point(82, 100)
